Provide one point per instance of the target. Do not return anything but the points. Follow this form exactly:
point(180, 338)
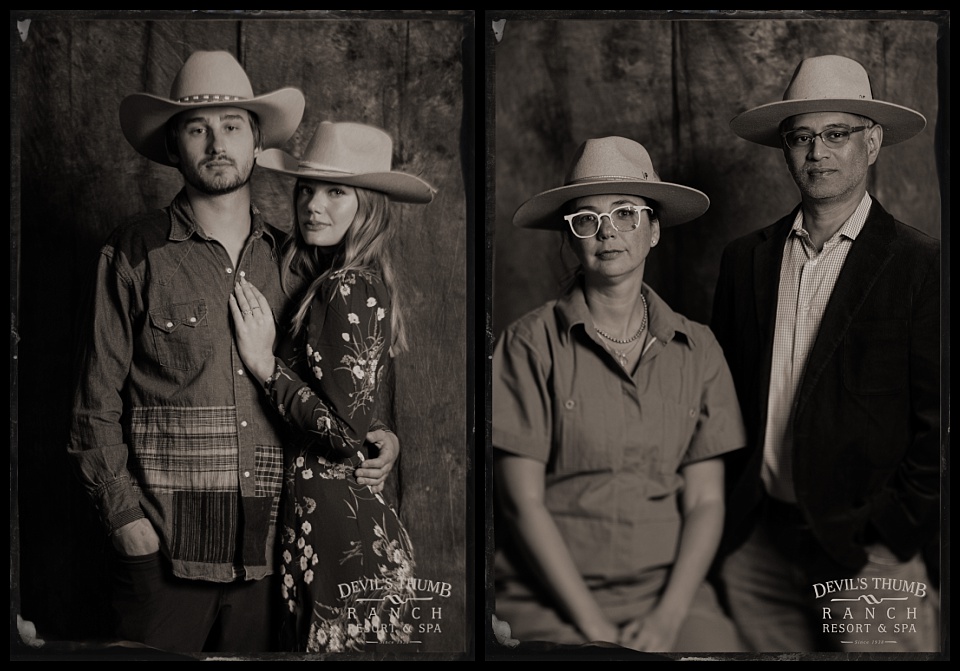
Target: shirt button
point(193, 319)
point(569, 404)
point(240, 372)
point(693, 412)
point(229, 270)
point(246, 474)
point(242, 273)
point(243, 423)
point(169, 325)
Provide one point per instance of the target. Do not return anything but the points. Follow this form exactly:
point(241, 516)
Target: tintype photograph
point(241, 341)
point(718, 312)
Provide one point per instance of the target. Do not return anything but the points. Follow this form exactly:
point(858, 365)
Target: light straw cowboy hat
point(208, 79)
point(353, 154)
point(828, 84)
point(612, 165)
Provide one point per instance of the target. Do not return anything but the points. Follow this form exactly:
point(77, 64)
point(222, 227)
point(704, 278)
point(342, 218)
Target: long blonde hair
point(365, 248)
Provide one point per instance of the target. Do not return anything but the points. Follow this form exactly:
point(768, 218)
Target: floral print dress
point(346, 560)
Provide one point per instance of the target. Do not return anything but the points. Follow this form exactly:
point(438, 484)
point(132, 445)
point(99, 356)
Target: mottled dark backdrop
point(79, 178)
point(674, 86)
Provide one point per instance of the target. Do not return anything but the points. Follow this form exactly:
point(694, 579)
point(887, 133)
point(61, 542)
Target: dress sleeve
point(522, 400)
point(345, 345)
point(720, 427)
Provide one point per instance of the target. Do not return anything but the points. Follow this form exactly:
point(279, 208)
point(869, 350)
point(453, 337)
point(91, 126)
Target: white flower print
point(300, 462)
point(381, 313)
point(371, 302)
point(287, 557)
point(308, 576)
point(300, 543)
point(307, 473)
point(306, 527)
point(345, 336)
point(310, 504)
point(288, 580)
point(353, 318)
point(344, 290)
point(308, 551)
point(358, 371)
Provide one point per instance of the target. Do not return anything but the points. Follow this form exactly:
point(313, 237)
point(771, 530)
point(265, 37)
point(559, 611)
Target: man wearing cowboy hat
point(172, 438)
point(829, 320)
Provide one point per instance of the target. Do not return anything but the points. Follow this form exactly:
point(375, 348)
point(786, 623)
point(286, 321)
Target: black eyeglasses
point(624, 218)
point(835, 136)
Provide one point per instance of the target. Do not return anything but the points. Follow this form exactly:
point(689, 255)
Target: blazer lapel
point(767, 259)
point(868, 256)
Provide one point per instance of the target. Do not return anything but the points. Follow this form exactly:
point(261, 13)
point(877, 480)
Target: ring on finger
point(246, 312)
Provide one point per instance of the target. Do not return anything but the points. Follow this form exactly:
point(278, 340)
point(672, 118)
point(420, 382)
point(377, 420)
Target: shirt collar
point(851, 227)
point(664, 323)
point(183, 224)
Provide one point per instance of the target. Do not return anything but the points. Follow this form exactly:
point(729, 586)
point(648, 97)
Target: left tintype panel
point(76, 177)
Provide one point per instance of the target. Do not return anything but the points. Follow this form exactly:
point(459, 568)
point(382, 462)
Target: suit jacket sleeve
point(906, 510)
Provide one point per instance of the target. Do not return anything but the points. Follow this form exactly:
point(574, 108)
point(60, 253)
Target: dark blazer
point(867, 416)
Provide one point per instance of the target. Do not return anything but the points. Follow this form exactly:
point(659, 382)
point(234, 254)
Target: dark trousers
point(162, 611)
point(786, 594)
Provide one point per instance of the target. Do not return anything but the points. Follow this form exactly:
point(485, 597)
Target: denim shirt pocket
point(181, 334)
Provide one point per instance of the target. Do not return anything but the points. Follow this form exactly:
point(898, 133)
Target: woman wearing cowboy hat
point(610, 411)
point(347, 562)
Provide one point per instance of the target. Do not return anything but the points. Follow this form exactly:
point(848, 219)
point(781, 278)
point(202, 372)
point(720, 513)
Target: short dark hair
point(173, 126)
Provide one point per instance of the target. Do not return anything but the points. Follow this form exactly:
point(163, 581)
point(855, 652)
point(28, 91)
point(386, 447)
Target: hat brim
point(400, 186)
point(143, 119)
point(675, 203)
point(762, 124)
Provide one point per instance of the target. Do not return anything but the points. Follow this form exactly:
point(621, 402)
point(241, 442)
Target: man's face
point(823, 172)
point(217, 149)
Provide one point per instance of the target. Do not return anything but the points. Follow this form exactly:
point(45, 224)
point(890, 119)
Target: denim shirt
point(167, 423)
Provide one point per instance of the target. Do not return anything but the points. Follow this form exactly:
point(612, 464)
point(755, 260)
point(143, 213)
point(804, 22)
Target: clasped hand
point(255, 328)
point(256, 333)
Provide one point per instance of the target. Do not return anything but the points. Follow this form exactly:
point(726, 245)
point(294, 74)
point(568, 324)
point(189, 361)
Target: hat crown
point(829, 77)
point(206, 74)
point(611, 158)
point(349, 148)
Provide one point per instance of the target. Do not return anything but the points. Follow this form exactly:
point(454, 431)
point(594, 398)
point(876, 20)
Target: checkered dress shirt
point(807, 278)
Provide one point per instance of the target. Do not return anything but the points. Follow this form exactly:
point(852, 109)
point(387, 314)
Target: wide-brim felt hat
point(208, 79)
point(353, 154)
point(612, 165)
point(828, 84)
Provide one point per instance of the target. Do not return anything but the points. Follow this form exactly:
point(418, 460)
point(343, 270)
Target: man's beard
point(217, 185)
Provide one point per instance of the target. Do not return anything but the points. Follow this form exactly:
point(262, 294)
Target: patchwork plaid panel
point(205, 527)
point(269, 469)
point(185, 449)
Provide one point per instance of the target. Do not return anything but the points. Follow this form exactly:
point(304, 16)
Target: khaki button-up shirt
point(613, 444)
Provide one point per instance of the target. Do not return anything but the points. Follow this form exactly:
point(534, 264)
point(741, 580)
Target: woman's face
point(325, 211)
point(612, 254)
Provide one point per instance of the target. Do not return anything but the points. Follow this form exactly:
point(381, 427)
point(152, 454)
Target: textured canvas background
point(672, 81)
point(78, 178)
point(674, 86)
